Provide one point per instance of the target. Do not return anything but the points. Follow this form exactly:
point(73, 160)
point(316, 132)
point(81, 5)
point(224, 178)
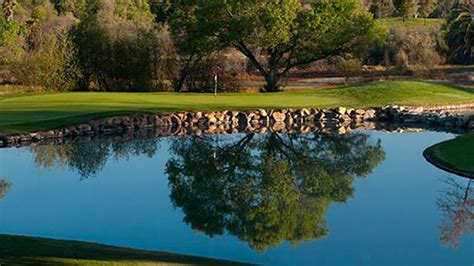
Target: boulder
point(341, 110)
point(279, 117)
point(369, 114)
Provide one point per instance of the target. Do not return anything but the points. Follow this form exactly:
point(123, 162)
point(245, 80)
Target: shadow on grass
point(29, 250)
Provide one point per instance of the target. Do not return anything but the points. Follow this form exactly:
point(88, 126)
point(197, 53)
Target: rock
point(341, 110)
point(320, 116)
point(116, 121)
point(369, 114)
point(279, 117)
point(263, 112)
point(278, 127)
point(359, 111)
point(305, 112)
point(84, 129)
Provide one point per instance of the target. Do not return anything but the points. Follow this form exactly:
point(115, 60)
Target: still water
point(366, 198)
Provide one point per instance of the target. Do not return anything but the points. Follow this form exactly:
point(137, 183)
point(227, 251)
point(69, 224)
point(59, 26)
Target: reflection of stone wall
point(339, 120)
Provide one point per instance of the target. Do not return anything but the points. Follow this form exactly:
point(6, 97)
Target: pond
point(364, 198)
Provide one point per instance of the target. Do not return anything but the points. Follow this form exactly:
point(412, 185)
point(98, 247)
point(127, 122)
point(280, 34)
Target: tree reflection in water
point(4, 187)
point(457, 206)
point(266, 189)
point(89, 158)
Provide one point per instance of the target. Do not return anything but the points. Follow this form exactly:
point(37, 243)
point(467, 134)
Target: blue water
point(391, 218)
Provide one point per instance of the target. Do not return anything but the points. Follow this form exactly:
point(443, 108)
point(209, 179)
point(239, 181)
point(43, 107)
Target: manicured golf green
point(455, 155)
point(30, 112)
point(15, 250)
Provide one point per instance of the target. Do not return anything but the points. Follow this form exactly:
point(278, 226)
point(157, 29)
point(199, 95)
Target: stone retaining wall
point(340, 120)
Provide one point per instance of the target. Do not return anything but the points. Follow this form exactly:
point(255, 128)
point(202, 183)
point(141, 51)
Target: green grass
point(22, 113)
point(40, 251)
point(457, 154)
point(412, 22)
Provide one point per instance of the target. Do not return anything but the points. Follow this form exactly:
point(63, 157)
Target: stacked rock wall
point(340, 120)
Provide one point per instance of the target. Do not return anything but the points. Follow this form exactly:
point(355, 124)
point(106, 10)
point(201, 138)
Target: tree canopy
point(277, 36)
point(459, 35)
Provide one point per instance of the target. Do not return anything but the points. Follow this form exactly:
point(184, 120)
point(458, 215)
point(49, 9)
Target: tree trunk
point(273, 81)
point(178, 87)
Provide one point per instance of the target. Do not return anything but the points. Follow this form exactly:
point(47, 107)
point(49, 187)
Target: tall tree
point(426, 7)
point(113, 51)
point(405, 8)
point(459, 34)
point(276, 36)
point(382, 8)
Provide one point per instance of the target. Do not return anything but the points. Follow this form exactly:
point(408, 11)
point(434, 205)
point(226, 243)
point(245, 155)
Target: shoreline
point(39, 250)
point(445, 167)
point(340, 120)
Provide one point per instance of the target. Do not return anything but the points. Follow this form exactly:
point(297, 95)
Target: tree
point(161, 9)
point(266, 189)
point(8, 8)
point(76, 7)
point(405, 8)
point(382, 8)
point(113, 45)
point(426, 7)
point(275, 36)
point(12, 33)
point(459, 36)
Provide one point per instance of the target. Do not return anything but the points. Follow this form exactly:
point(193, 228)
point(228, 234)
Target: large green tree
point(266, 189)
point(459, 35)
point(275, 36)
point(113, 48)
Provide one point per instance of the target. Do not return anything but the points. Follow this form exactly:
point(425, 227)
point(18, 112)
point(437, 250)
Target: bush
point(410, 49)
point(347, 66)
point(114, 46)
point(51, 65)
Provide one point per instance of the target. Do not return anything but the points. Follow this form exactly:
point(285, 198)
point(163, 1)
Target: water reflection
point(266, 189)
point(457, 206)
point(4, 187)
point(89, 158)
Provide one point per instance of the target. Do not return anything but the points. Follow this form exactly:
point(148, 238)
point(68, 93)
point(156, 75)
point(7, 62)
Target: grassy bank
point(455, 155)
point(40, 251)
point(21, 113)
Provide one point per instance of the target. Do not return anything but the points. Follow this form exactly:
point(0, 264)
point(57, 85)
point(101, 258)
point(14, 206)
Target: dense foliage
point(459, 35)
point(139, 45)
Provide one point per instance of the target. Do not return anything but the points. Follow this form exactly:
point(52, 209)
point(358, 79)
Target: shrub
point(51, 65)
point(347, 66)
point(114, 46)
point(410, 49)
